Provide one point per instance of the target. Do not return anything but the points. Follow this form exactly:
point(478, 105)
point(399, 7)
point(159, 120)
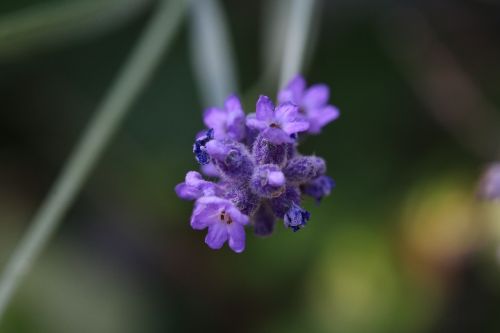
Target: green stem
point(132, 79)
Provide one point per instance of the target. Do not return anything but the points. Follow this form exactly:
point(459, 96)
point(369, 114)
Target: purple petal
point(253, 122)
point(236, 215)
point(193, 187)
point(233, 105)
point(215, 205)
point(236, 129)
point(187, 192)
point(277, 136)
point(198, 185)
point(202, 216)
point(193, 178)
point(289, 118)
point(213, 201)
point(235, 122)
point(318, 118)
point(216, 118)
point(236, 237)
point(286, 112)
point(264, 109)
point(200, 221)
point(295, 127)
point(297, 84)
point(216, 236)
point(286, 95)
point(316, 96)
point(210, 170)
point(217, 149)
point(293, 91)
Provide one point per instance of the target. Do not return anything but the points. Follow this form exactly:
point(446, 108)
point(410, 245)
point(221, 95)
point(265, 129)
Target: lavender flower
point(312, 102)
point(223, 220)
point(260, 175)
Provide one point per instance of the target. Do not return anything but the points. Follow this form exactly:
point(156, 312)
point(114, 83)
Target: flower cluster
point(259, 175)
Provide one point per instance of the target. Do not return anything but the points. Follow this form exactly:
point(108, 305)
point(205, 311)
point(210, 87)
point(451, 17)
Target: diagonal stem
point(131, 80)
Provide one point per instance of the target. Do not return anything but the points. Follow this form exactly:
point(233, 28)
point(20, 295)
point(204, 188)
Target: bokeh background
point(402, 245)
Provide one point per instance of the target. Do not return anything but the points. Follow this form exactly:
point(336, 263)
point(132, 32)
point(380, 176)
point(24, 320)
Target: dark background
point(402, 245)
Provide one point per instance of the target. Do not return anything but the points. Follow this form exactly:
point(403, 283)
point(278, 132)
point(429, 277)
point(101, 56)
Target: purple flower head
point(312, 102)
point(319, 187)
point(285, 118)
point(199, 148)
point(296, 217)
point(489, 187)
point(228, 122)
point(223, 220)
point(260, 176)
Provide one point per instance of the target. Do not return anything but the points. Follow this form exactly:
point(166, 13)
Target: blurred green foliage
point(126, 259)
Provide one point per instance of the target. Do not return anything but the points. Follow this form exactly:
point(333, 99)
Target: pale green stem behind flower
point(212, 52)
point(297, 34)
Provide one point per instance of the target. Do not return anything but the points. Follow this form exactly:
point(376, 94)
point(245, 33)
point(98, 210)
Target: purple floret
point(223, 220)
point(312, 102)
point(259, 175)
point(285, 117)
